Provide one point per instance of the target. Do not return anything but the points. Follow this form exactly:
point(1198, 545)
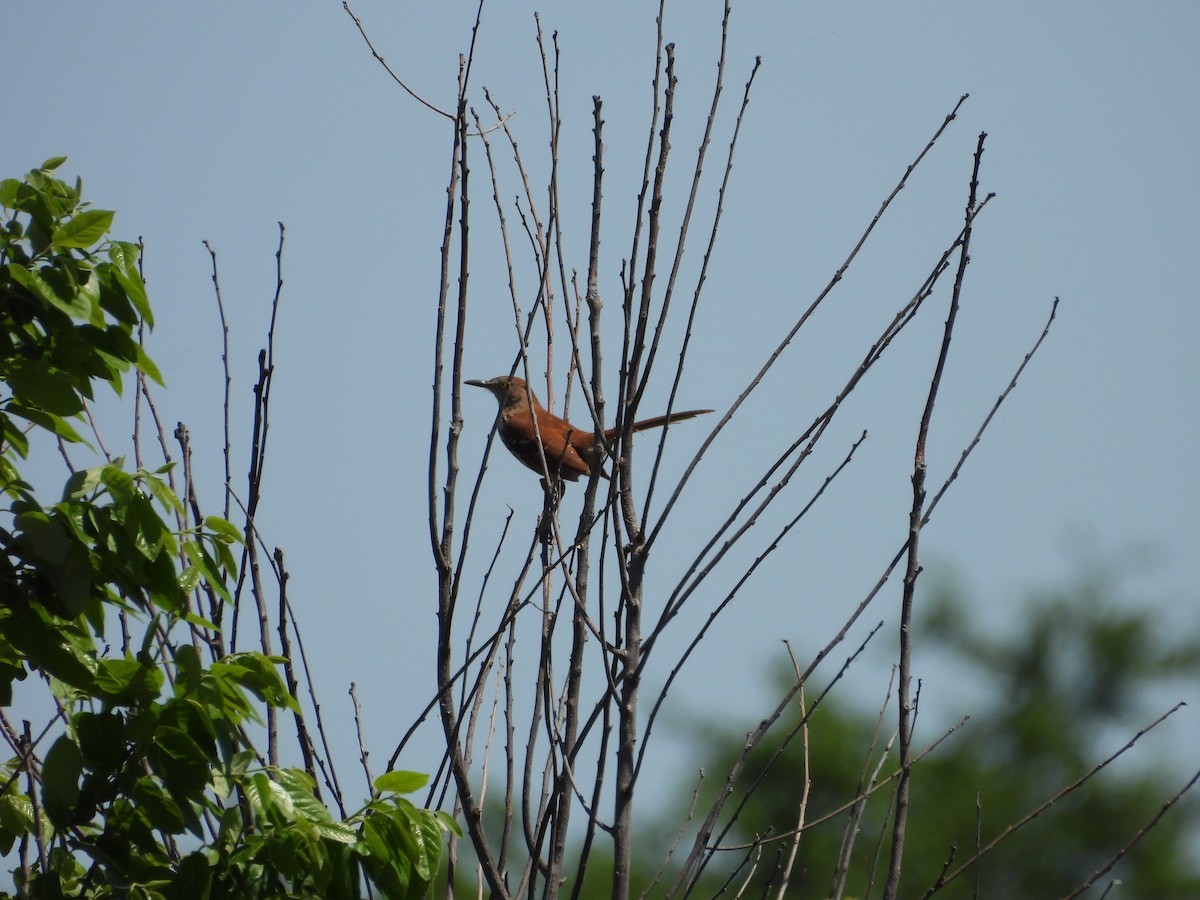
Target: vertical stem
point(632, 585)
point(587, 515)
point(913, 569)
point(26, 750)
point(627, 733)
point(442, 534)
point(289, 673)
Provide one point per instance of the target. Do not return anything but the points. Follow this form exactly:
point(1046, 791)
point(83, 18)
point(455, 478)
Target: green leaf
point(223, 529)
point(148, 531)
point(161, 491)
point(430, 825)
point(37, 383)
point(401, 782)
point(83, 483)
point(179, 761)
point(84, 229)
point(16, 814)
point(448, 823)
point(300, 787)
point(148, 366)
point(188, 579)
point(58, 651)
point(157, 809)
point(422, 842)
point(384, 843)
point(338, 831)
point(73, 304)
point(125, 681)
point(256, 673)
point(52, 163)
point(119, 483)
point(89, 293)
point(226, 557)
point(124, 257)
point(199, 621)
point(52, 423)
point(60, 780)
point(72, 581)
point(44, 536)
point(270, 800)
point(193, 879)
point(63, 561)
point(187, 669)
point(202, 561)
point(241, 762)
point(101, 739)
point(9, 189)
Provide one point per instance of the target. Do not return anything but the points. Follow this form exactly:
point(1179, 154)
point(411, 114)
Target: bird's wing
point(562, 454)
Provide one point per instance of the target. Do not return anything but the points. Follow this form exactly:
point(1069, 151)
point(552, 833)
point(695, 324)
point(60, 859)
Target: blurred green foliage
point(1072, 681)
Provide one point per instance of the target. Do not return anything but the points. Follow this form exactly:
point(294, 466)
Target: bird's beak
point(476, 382)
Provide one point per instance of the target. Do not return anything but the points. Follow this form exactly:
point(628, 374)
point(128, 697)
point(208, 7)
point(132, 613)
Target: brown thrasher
point(569, 451)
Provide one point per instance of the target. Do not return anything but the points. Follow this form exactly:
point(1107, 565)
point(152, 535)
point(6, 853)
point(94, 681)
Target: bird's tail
point(660, 421)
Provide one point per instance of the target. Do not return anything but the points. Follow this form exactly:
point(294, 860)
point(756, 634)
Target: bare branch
point(396, 78)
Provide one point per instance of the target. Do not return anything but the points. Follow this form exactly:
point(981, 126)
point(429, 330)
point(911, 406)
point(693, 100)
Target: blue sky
point(216, 121)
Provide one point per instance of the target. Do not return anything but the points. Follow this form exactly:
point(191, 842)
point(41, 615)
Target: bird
point(569, 452)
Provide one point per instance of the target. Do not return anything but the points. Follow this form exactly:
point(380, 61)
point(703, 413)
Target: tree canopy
point(146, 781)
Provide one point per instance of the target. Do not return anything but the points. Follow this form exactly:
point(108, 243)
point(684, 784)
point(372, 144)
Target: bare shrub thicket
point(544, 769)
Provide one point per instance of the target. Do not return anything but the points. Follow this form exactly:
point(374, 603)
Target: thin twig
point(396, 78)
point(812, 307)
point(227, 377)
point(363, 753)
point(774, 545)
point(802, 807)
